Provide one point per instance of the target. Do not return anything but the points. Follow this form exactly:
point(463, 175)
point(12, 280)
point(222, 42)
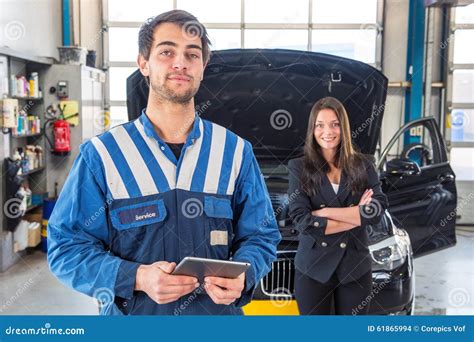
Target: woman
point(337, 195)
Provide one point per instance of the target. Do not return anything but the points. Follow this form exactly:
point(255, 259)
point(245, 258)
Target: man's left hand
point(224, 290)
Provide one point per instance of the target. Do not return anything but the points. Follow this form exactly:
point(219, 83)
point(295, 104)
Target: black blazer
point(345, 253)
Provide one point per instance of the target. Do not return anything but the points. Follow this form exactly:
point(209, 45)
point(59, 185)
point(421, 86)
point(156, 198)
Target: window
point(213, 11)
point(354, 44)
point(123, 44)
point(463, 52)
point(222, 39)
point(461, 118)
point(282, 39)
point(136, 10)
point(355, 12)
point(415, 144)
point(118, 81)
point(317, 25)
point(463, 86)
point(276, 11)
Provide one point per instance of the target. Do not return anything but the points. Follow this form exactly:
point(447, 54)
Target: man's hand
point(224, 290)
point(157, 282)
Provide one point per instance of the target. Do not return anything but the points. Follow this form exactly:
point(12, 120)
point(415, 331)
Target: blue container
point(48, 206)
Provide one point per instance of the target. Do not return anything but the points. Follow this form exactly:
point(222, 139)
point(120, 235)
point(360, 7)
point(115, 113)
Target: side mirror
point(402, 167)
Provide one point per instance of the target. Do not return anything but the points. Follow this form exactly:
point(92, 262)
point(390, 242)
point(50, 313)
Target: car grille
point(280, 208)
point(280, 281)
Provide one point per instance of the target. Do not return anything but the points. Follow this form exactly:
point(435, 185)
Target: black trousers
point(315, 298)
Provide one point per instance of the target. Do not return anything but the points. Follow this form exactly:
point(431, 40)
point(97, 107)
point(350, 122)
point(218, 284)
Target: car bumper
point(392, 291)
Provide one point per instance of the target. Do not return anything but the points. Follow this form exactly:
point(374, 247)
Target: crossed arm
point(342, 219)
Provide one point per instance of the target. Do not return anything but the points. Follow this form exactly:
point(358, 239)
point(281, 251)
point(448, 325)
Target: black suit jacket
point(345, 253)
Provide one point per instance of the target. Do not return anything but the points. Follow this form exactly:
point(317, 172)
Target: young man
point(168, 185)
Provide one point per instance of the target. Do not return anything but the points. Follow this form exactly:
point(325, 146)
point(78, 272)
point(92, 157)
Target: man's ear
point(143, 65)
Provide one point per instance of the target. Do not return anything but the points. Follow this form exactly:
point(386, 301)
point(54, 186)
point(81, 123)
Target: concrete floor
point(444, 285)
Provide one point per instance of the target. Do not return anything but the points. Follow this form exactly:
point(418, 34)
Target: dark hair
point(347, 158)
point(188, 22)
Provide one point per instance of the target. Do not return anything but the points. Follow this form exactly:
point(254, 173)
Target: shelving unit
point(26, 135)
point(85, 88)
point(17, 63)
point(26, 98)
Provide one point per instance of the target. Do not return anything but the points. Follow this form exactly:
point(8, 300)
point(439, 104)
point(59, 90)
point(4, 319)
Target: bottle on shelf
point(22, 86)
point(34, 90)
point(24, 202)
point(30, 157)
point(25, 163)
point(27, 124)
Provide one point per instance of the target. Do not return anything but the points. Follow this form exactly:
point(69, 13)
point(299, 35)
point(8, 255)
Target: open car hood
point(265, 96)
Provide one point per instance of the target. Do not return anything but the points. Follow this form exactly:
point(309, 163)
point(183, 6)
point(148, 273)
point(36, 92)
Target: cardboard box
point(34, 236)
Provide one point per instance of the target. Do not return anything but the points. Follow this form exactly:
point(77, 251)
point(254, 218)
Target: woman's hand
point(319, 212)
point(366, 197)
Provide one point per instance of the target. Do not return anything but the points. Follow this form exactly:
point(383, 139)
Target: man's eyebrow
point(167, 42)
point(170, 43)
point(193, 46)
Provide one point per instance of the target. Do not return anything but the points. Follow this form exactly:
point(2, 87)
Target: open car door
point(420, 185)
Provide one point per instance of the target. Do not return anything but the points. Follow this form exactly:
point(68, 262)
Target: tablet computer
point(202, 267)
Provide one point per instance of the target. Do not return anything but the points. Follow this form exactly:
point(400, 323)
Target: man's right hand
point(158, 283)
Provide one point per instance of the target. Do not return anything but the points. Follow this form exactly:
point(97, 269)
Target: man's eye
point(166, 53)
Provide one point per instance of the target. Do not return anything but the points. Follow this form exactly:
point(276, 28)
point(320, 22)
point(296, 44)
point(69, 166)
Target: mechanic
point(148, 193)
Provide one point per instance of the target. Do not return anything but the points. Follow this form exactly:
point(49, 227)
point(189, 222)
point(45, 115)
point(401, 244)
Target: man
point(148, 193)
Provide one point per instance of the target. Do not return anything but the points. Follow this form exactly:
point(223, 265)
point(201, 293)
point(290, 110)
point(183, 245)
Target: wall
point(32, 26)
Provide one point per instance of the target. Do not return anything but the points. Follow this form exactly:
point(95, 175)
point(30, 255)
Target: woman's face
point(327, 129)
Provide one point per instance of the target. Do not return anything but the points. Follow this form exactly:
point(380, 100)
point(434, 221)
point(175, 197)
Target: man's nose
point(180, 62)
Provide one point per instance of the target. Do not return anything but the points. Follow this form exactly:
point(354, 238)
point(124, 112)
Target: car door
point(420, 185)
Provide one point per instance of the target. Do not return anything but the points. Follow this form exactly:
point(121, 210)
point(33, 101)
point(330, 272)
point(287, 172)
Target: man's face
point(175, 66)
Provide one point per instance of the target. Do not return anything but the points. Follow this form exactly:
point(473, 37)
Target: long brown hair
point(350, 161)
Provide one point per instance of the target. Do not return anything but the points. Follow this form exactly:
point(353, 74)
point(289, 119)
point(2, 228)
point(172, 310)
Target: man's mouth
point(179, 78)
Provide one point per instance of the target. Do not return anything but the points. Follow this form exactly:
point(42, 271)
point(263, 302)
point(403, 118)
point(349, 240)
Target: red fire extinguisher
point(62, 137)
point(61, 143)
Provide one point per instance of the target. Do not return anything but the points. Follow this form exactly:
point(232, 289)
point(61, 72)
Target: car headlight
point(390, 253)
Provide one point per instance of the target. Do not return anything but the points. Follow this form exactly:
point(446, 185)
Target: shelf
point(26, 98)
point(26, 135)
point(32, 207)
point(25, 56)
point(32, 171)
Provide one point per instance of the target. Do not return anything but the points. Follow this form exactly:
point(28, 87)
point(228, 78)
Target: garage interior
point(397, 37)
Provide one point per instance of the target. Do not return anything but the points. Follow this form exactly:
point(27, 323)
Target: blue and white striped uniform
point(128, 201)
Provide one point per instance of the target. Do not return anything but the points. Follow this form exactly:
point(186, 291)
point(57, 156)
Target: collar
point(150, 129)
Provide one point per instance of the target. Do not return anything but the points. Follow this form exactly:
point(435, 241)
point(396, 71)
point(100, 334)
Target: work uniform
point(129, 201)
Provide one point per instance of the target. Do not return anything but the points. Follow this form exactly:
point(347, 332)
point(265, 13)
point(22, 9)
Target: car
point(265, 96)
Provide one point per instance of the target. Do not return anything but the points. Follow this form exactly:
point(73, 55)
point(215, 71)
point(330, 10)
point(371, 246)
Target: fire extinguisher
point(62, 137)
point(61, 144)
